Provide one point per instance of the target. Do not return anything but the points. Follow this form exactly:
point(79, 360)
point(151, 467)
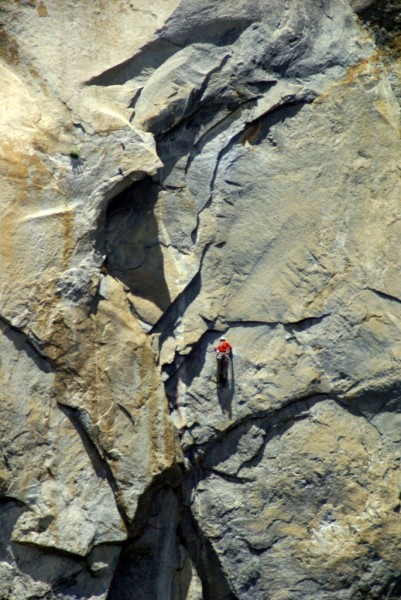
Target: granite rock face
point(170, 173)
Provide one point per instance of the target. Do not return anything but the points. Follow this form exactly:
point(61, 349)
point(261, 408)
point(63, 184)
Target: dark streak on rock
point(384, 295)
point(304, 324)
point(88, 433)
point(126, 413)
point(294, 409)
point(231, 478)
point(165, 325)
point(31, 345)
point(287, 107)
point(167, 321)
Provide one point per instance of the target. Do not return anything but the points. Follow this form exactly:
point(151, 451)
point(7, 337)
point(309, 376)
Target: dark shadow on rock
point(150, 557)
point(273, 421)
point(25, 344)
point(171, 40)
point(382, 18)
point(149, 563)
point(168, 321)
point(148, 58)
point(225, 396)
point(132, 243)
point(369, 402)
point(281, 114)
point(186, 368)
point(77, 165)
point(215, 584)
point(65, 574)
point(10, 511)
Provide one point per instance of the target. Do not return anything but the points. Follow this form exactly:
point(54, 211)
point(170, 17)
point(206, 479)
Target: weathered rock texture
point(171, 171)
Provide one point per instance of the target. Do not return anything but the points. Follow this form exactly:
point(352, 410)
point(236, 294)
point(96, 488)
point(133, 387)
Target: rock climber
point(224, 347)
point(223, 354)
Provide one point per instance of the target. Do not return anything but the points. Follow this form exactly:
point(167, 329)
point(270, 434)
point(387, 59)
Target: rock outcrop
point(170, 173)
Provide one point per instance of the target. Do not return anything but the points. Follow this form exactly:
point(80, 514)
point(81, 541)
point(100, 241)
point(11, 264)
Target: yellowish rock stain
point(42, 10)
point(9, 48)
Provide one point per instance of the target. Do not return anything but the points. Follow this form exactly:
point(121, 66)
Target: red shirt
point(224, 346)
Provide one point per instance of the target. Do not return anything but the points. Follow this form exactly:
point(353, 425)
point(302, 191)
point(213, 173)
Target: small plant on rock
point(75, 153)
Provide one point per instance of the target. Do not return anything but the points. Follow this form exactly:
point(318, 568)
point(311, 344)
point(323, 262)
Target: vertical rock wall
point(171, 173)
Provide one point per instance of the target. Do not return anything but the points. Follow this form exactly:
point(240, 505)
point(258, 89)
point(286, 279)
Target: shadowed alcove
point(133, 248)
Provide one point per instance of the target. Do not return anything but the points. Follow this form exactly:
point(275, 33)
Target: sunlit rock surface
point(171, 172)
